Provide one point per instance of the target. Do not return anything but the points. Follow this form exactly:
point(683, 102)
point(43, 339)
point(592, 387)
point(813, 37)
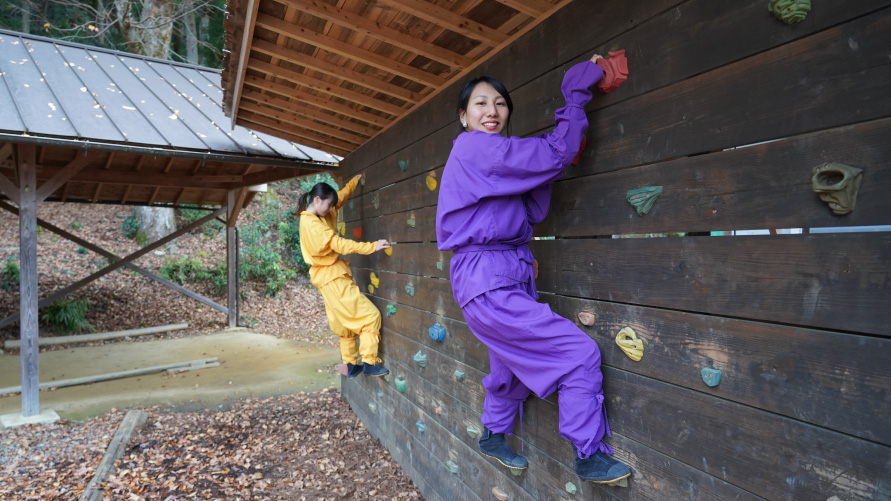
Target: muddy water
point(251, 364)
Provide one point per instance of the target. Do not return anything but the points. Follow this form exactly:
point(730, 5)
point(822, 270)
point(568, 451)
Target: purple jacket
point(494, 188)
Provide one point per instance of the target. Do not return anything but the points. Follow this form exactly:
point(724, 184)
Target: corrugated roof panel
point(36, 103)
point(9, 113)
point(211, 114)
point(130, 82)
point(88, 117)
point(106, 94)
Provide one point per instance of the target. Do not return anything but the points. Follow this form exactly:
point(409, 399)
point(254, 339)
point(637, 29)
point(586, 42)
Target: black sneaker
point(601, 468)
point(353, 370)
point(375, 370)
point(495, 446)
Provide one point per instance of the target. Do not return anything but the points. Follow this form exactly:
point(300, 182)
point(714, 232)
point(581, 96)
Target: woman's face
point(486, 110)
point(322, 207)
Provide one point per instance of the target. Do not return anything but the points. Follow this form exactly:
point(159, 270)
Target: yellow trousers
point(351, 315)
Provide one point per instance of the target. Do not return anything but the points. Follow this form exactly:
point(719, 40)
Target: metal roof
point(64, 93)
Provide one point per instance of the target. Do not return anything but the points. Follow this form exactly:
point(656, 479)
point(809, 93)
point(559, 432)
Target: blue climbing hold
point(437, 332)
point(421, 427)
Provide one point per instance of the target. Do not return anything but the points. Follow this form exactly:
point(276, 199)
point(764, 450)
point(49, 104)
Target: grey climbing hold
point(421, 359)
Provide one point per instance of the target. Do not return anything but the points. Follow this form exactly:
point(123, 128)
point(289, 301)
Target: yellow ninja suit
point(349, 312)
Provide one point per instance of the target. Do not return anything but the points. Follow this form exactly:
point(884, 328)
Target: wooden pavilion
point(87, 125)
point(765, 369)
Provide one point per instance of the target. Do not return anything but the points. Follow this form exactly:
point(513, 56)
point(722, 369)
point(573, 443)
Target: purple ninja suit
point(493, 190)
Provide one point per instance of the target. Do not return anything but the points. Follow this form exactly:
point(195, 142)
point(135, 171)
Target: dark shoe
point(495, 446)
point(601, 468)
point(375, 370)
point(353, 370)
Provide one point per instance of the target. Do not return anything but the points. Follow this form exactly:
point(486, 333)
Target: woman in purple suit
point(494, 189)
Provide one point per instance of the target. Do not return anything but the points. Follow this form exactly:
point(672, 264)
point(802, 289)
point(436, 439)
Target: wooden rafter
point(304, 134)
point(533, 8)
point(63, 176)
point(374, 30)
point(259, 127)
point(382, 63)
point(308, 111)
point(287, 118)
point(245, 48)
point(449, 20)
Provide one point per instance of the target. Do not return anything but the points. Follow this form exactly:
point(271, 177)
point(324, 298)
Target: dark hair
point(321, 190)
point(464, 96)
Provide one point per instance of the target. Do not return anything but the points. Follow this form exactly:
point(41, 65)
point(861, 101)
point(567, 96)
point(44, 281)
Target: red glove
point(615, 71)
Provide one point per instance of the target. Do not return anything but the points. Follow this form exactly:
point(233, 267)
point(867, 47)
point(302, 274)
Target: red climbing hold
point(615, 71)
point(578, 155)
point(357, 232)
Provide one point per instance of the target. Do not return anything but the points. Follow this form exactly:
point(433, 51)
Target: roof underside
point(334, 73)
point(130, 129)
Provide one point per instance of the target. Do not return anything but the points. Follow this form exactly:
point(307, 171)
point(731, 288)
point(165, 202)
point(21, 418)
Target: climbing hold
point(372, 406)
point(409, 290)
point(452, 466)
point(790, 11)
point(370, 289)
point(619, 483)
point(351, 204)
point(629, 343)
point(643, 198)
point(517, 471)
point(570, 488)
point(387, 377)
point(400, 383)
point(438, 410)
point(421, 359)
point(374, 280)
point(615, 71)
point(439, 265)
point(362, 181)
point(431, 181)
point(357, 232)
point(403, 164)
point(712, 377)
point(587, 318)
point(437, 332)
point(341, 228)
point(473, 431)
point(388, 251)
point(411, 222)
point(380, 393)
point(421, 427)
point(376, 200)
point(838, 185)
point(391, 310)
point(578, 156)
point(499, 494)
point(459, 375)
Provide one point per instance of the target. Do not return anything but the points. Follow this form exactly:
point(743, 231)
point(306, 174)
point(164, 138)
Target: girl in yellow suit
point(349, 312)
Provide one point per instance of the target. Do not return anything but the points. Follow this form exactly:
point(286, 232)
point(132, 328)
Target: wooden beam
point(96, 193)
point(28, 294)
point(126, 194)
point(333, 70)
point(109, 161)
point(63, 175)
point(326, 87)
point(299, 96)
point(311, 112)
point(234, 209)
point(291, 119)
point(108, 269)
point(9, 188)
point(158, 179)
point(334, 46)
point(244, 51)
point(198, 164)
point(5, 152)
point(276, 174)
point(533, 8)
point(377, 31)
point(154, 195)
point(259, 127)
point(179, 197)
point(449, 20)
point(169, 165)
point(274, 127)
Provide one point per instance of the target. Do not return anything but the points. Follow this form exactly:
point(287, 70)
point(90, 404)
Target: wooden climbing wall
point(729, 110)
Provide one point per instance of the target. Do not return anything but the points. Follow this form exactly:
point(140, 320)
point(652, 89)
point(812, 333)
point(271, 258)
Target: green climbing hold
point(403, 164)
point(376, 201)
point(421, 359)
point(712, 377)
point(643, 198)
point(571, 488)
point(391, 310)
point(452, 466)
point(409, 290)
point(439, 265)
point(459, 375)
point(790, 11)
point(411, 222)
point(400, 383)
point(473, 431)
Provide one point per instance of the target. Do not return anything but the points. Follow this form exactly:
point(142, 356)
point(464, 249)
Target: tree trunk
point(191, 31)
point(26, 16)
point(155, 222)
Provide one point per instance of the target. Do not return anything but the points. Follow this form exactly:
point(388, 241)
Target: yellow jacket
point(322, 246)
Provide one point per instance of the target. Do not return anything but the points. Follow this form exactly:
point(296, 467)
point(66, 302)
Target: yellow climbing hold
point(370, 289)
point(629, 342)
point(388, 251)
point(341, 228)
point(374, 280)
point(431, 182)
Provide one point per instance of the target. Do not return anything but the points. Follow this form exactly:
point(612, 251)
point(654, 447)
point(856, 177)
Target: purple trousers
point(531, 348)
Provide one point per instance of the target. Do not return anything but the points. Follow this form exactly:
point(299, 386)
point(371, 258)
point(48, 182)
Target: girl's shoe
point(375, 370)
point(353, 370)
point(495, 446)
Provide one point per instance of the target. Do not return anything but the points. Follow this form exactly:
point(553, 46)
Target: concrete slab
point(251, 364)
point(46, 416)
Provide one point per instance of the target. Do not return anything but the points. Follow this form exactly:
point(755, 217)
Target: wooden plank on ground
point(763, 186)
point(838, 282)
point(133, 420)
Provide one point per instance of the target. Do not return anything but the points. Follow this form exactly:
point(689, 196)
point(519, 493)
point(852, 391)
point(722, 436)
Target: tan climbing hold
point(587, 318)
point(629, 343)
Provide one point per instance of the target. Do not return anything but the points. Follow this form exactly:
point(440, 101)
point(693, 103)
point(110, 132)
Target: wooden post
point(28, 328)
point(231, 258)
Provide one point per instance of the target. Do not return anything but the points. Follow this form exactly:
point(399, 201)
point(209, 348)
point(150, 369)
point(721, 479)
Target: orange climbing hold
point(357, 232)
